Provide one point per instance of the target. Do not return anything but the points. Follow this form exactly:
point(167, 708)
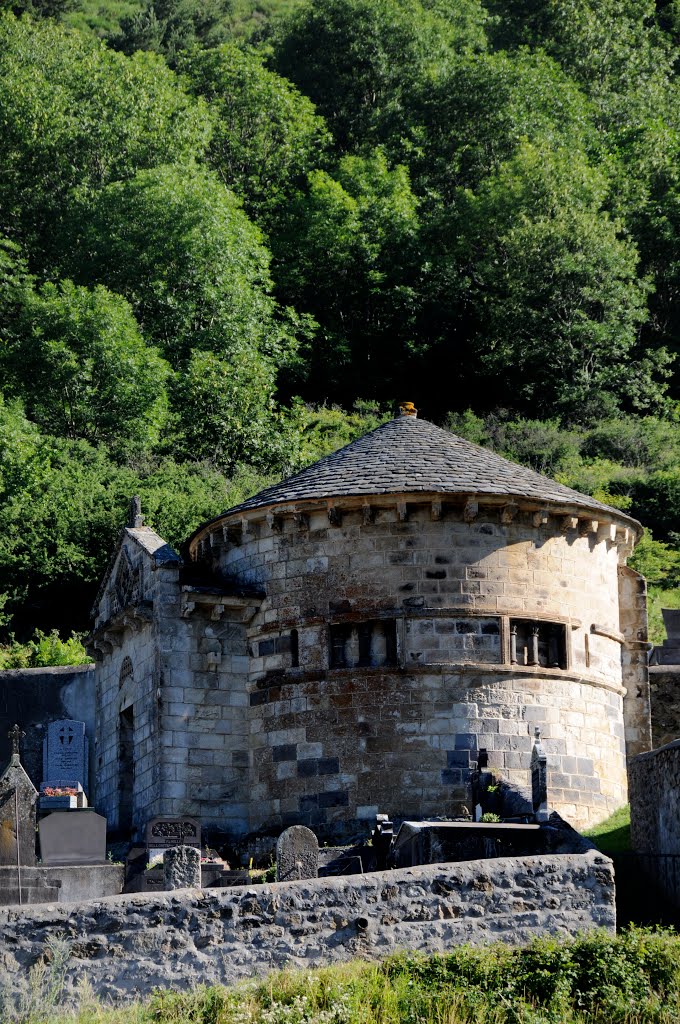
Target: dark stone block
point(333, 799)
point(284, 752)
point(328, 766)
point(309, 802)
point(458, 758)
point(267, 647)
point(259, 697)
point(452, 777)
point(436, 574)
point(465, 741)
point(585, 766)
point(308, 767)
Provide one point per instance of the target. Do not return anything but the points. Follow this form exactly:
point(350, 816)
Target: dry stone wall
point(128, 945)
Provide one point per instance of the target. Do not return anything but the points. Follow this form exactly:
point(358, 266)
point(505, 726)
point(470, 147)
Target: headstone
point(669, 652)
point(182, 867)
point(297, 854)
point(65, 755)
point(539, 779)
point(73, 837)
point(164, 832)
point(18, 797)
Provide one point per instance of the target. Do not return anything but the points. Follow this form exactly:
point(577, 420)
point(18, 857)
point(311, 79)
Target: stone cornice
point(556, 517)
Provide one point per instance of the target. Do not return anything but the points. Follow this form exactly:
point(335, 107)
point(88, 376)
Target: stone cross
point(297, 854)
point(539, 779)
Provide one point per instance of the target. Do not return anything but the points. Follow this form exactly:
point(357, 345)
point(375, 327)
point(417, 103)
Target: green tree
point(41, 8)
point(358, 60)
point(82, 368)
point(350, 258)
point(613, 48)
point(553, 289)
point(472, 116)
point(227, 414)
point(73, 114)
point(170, 27)
point(266, 135)
point(178, 245)
point(62, 505)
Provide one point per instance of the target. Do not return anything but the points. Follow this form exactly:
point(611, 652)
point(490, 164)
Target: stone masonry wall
point(654, 786)
point(337, 744)
point(181, 677)
point(128, 945)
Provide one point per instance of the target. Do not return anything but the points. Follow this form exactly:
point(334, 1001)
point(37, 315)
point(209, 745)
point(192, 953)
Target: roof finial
point(135, 517)
point(407, 409)
point(16, 735)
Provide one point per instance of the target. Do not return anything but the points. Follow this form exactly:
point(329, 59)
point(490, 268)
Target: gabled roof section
point(151, 544)
point(412, 455)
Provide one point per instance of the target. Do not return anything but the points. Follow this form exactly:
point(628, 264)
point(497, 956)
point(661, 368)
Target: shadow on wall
point(34, 697)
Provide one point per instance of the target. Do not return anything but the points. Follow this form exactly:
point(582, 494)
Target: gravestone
point(539, 779)
point(65, 755)
point(162, 833)
point(18, 797)
point(73, 837)
point(669, 652)
point(182, 867)
point(297, 854)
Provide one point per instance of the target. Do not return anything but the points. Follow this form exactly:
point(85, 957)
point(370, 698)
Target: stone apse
point(364, 637)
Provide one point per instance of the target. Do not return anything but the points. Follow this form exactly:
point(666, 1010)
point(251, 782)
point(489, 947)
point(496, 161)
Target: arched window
point(125, 671)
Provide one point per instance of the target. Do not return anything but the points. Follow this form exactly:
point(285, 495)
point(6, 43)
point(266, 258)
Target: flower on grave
point(59, 791)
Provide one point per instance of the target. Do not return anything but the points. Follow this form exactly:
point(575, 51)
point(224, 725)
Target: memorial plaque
point(65, 753)
point(297, 854)
point(164, 832)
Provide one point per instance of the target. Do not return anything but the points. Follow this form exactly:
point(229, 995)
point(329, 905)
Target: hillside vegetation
point(232, 234)
point(596, 979)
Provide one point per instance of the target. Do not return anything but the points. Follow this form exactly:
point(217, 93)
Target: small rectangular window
point(365, 644)
point(538, 643)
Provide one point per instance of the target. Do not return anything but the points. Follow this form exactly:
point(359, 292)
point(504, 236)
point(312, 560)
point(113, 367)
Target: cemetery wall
point(333, 744)
point(654, 786)
point(126, 946)
point(34, 697)
point(664, 685)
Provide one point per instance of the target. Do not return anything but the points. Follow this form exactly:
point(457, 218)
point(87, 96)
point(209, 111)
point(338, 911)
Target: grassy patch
point(612, 835)
point(633, 978)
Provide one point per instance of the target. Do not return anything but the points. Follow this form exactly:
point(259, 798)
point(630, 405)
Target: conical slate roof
point(411, 455)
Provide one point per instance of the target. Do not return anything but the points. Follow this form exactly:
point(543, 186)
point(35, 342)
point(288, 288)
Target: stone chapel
point(364, 637)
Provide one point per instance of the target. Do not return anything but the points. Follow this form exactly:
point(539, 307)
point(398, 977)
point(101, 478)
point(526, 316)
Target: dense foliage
point(233, 234)
point(595, 979)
